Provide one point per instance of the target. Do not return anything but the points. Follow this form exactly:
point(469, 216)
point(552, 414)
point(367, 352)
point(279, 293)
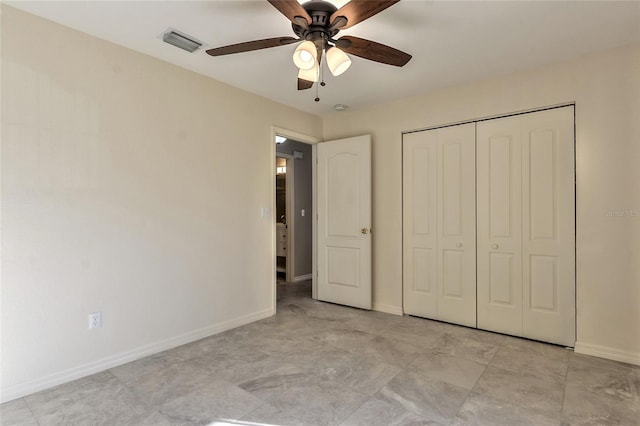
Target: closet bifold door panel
point(439, 248)
point(419, 252)
point(526, 225)
point(548, 231)
point(499, 235)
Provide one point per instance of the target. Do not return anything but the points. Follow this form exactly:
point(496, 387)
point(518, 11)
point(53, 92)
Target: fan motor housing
point(320, 12)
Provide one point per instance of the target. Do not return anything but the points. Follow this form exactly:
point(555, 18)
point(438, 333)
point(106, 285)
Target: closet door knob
point(458, 245)
point(495, 246)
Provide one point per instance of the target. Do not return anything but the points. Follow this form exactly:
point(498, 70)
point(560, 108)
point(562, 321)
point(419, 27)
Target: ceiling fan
point(316, 24)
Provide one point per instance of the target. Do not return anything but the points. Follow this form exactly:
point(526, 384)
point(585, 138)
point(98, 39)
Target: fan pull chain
point(324, 55)
point(322, 83)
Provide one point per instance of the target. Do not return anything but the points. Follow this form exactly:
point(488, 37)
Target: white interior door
point(344, 221)
point(439, 224)
point(548, 226)
point(499, 225)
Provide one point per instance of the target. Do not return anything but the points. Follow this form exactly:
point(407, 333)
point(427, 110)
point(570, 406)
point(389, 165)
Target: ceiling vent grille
point(181, 40)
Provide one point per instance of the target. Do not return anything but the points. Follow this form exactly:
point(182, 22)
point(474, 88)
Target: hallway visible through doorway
point(293, 210)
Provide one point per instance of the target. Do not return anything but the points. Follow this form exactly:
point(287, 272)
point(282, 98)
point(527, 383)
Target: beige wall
point(132, 187)
point(606, 90)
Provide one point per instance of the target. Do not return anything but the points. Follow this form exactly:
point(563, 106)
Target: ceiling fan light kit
point(312, 74)
point(316, 23)
point(306, 55)
point(337, 61)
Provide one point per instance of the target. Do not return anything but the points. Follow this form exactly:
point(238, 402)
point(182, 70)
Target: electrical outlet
point(95, 320)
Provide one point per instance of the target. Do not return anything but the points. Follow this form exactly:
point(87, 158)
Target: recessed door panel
point(424, 271)
point(543, 185)
point(421, 190)
point(343, 266)
point(543, 283)
point(452, 191)
point(343, 215)
point(501, 280)
point(452, 274)
point(501, 175)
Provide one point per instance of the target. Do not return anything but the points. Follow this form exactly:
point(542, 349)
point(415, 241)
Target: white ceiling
point(452, 42)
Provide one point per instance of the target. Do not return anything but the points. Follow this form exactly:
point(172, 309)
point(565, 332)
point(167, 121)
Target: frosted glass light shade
point(305, 55)
point(338, 61)
point(310, 74)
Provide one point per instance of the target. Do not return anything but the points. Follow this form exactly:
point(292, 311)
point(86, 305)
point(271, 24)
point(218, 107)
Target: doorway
point(285, 230)
point(293, 211)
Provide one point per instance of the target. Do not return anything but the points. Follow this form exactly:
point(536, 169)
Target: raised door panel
point(419, 224)
point(499, 213)
point(456, 224)
point(549, 226)
point(342, 180)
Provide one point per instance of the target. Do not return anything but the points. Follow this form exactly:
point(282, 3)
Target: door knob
point(458, 245)
point(364, 230)
point(495, 246)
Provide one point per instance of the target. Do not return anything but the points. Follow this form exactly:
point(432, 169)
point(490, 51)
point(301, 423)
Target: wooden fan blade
point(304, 84)
point(291, 9)
point(358, 10)
point(251, 45)
point(373, 51)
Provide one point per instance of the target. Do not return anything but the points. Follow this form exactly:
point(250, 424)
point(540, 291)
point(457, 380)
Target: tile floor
point(321, 364)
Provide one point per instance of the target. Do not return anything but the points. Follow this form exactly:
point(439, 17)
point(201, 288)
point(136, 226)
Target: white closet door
point(439, 224)
point(526, 225)
point(548, 226)
point(456, 220)
point(499, 225)
point(419, 187)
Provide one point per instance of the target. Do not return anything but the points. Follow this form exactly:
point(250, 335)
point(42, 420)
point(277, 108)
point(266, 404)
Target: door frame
point(300, 137)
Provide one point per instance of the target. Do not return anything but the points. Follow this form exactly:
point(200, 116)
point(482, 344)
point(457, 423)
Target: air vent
point(181, 40)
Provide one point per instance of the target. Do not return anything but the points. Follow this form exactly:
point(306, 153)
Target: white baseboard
point(608, 353)
point(302, 278)
point(22, 389)
point(388, 309)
